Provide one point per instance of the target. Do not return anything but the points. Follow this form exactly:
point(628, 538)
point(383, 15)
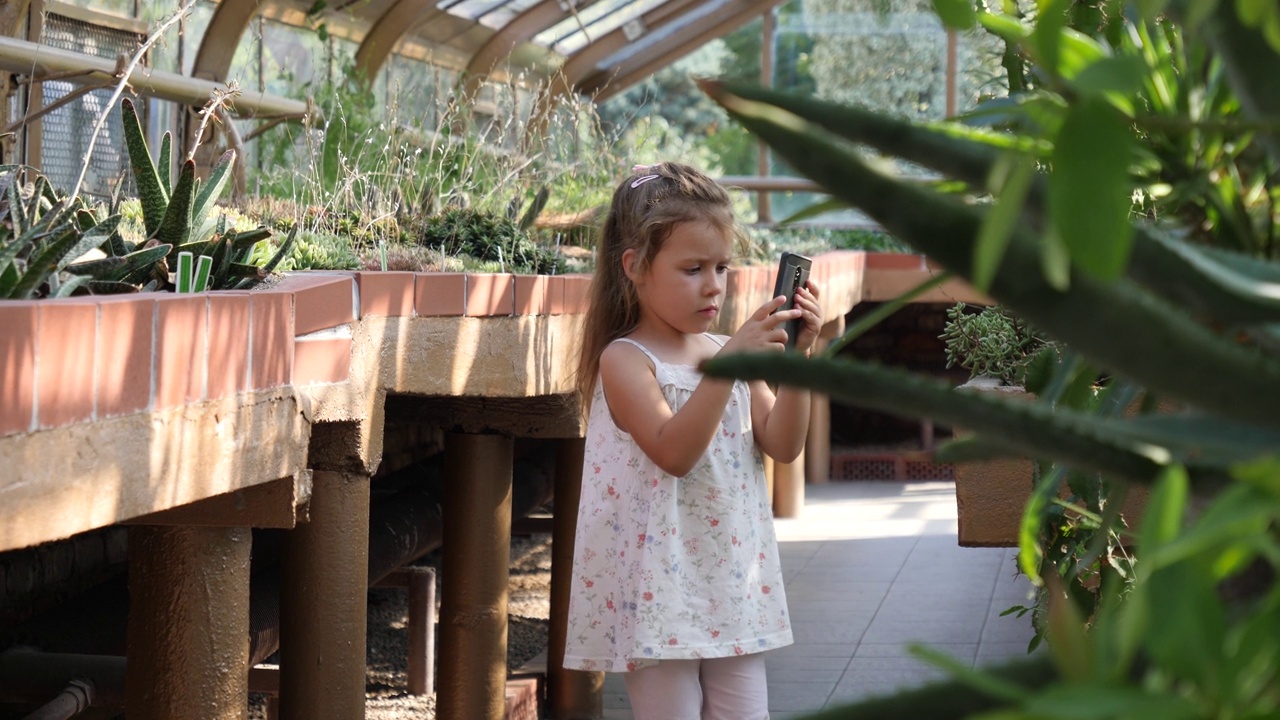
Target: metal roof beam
point(399, 20)
point(518, 30)
point(583, 63)
point(629, 67)
point(230, 20)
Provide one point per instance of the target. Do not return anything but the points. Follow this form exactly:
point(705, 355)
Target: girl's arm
point(675, 441)
point(782, 422)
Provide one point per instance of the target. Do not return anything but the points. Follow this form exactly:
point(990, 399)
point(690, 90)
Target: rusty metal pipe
point(323, 604)
point(477, 549)
point(73, 700)
point(192, 663)
point(422, 631)
point(572, 694)
point(29, 677)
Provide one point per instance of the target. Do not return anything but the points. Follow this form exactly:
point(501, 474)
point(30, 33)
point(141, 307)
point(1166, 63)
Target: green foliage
point(1186, 626)
point(487, 237)
point(991, 343)
point(768, 242)
point(313, 251)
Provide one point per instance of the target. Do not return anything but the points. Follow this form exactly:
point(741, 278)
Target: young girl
point(676, 577)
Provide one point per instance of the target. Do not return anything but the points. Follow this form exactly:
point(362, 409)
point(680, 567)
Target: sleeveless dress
point(672, 567)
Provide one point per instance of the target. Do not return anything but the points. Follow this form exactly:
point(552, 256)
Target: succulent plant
point(179, 215)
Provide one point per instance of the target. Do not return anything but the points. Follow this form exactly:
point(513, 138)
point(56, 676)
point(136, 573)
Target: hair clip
point(640, 169)
point(642, 180)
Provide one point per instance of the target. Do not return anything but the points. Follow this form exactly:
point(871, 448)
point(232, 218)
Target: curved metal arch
point(519, 29)
point(399, 20)
point(582, 64)
point(230, 20)
point(634, 67)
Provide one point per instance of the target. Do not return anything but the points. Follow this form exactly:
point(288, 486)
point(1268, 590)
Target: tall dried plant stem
point(120, 85)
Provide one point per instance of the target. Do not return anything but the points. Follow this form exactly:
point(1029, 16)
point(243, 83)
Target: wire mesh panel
point(68, 129)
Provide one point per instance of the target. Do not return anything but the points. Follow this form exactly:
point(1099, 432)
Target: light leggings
point(729, 688)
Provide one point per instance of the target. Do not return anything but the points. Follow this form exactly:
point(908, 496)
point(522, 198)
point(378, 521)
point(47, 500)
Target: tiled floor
point(872, 567)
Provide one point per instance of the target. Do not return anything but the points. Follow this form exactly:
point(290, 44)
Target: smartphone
point(793, 272)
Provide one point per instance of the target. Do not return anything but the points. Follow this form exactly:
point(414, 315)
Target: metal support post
point(188, 630)
point(572, 694)
point(323, 602)
point(475, 566)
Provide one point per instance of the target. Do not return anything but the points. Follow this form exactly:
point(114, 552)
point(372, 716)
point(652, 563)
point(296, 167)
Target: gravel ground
point(386, 686)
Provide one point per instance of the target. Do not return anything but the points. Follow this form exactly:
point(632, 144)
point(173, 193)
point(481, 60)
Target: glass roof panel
point(503, 11)
point(591, 23)
point(469, 9)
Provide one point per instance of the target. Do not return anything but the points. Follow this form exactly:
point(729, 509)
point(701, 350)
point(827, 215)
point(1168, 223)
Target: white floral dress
point(672, 567)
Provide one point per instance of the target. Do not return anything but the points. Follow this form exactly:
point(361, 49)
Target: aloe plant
point(179, 214)
point(43, 234)
point(1153, 312)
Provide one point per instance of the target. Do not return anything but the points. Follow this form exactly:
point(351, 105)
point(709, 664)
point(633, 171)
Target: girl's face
point(682, 289)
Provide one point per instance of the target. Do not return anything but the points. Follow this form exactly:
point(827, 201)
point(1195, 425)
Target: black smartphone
point(793, 272)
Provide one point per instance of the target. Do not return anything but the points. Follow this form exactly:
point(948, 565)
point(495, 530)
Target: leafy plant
point(484, 236)
point(1155, 315)
point(992, 343)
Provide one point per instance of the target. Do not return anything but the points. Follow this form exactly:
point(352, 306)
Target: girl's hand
point(764, 329)
point(811, 313)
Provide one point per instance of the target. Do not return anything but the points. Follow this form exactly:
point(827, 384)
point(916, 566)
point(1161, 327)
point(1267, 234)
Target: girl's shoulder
point(627, 353)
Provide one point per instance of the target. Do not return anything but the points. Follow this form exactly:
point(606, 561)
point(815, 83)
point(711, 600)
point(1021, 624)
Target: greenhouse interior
point(293, 299)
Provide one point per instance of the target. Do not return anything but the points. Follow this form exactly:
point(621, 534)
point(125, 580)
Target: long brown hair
point(646, 206)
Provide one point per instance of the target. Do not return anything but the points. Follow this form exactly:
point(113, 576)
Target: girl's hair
point(645, 207)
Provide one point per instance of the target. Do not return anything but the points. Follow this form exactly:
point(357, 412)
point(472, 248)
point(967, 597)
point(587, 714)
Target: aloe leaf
point(9, 278)
point(964, 153)
point(176, 224)
point(211, 190)
point(139, 263)
point(9, 252)
point(93, 238)
point(222, 258)
point(247, 239)
point(117, 246)
point(1174, 270)
point(163, 169)
point(286, 249)
point(44, 262)
point(70, 285)
point(152, 195)
point(1036, 430)
point(1114, 324)
point(111, 287)
point(32, 209)
point(97, 269)
point(1231, 287)
point(17, 211)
